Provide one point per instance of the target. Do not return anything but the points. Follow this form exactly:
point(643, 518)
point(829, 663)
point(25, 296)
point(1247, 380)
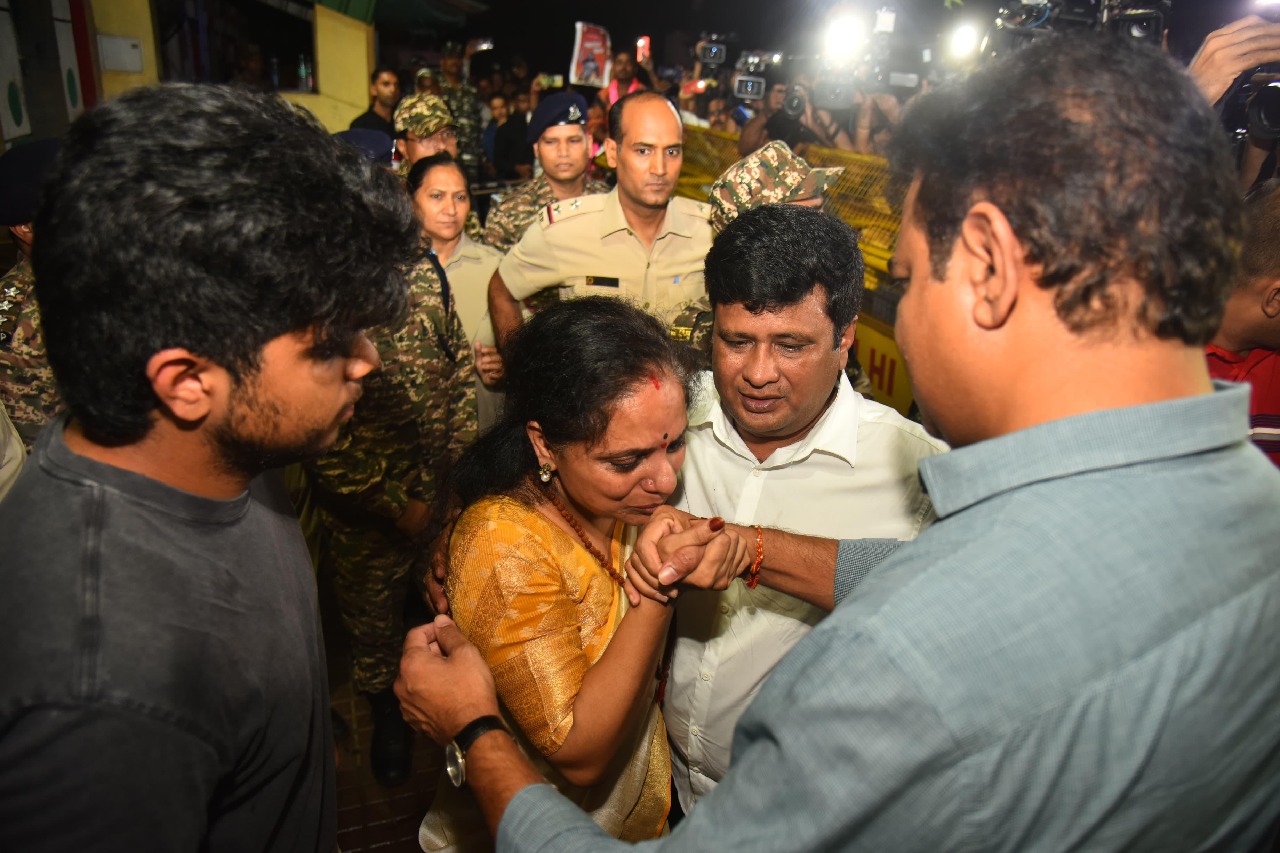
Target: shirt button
point(697, 770)
point(706, 676)
point(724, 608)
point(755, 472)
point(695, 731)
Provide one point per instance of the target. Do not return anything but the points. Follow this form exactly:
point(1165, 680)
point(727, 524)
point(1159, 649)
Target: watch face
point(455, 765)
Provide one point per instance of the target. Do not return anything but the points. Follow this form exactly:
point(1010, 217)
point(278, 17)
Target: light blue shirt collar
point(1095, 441)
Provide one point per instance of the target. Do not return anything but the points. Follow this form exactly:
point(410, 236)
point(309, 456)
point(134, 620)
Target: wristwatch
point(455, 753)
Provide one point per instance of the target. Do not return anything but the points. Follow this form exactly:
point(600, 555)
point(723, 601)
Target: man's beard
point(240, 451)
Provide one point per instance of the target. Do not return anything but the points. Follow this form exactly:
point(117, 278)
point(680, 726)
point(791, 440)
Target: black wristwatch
point(455, 753)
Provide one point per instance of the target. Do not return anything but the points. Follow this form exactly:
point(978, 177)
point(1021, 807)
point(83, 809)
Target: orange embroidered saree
point(542, 611)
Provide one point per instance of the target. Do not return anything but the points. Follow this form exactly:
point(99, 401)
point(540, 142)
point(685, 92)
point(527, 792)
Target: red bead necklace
point(582, 536)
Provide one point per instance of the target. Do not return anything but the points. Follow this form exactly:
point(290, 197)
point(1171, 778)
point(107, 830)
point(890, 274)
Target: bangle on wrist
point(753, 573)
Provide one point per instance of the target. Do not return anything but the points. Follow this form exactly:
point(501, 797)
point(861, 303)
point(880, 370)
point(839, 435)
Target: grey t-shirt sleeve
point(855, 558)
point(107, 778)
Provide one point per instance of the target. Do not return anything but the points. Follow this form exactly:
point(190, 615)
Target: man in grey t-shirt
point(164, 681)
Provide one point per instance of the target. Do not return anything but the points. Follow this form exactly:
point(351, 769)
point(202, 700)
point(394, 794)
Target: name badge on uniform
point(601, 281)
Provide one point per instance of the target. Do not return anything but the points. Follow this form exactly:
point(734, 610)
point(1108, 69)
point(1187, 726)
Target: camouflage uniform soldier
point(27, 387)
point(424, 126)
point(770, 175)
point(464, 103)
point(379, 484)
point(519, 209)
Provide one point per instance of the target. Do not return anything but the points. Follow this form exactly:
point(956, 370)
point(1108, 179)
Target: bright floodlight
point(964, 41)
point(845, 35)
point(1267, 3)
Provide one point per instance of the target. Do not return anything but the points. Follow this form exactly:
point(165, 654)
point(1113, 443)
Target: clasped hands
point(675, 549)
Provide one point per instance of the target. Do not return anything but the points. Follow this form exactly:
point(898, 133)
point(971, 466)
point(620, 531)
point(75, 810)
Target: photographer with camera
point(1231, 50)
point(787, 114)
point(1249, 43)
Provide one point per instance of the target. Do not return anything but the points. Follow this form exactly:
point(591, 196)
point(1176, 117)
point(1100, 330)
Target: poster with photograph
point(592, 57)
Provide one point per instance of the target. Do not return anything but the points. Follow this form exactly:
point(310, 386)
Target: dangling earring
point(544, 472)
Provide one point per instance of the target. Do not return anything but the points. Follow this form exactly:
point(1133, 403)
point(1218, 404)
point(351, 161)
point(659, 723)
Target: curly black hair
point(775, 255)
point(1108, 164)
point(212, 219)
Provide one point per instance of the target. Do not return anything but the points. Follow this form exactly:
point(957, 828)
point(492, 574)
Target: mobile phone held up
point(642, 49)
point(551, 81)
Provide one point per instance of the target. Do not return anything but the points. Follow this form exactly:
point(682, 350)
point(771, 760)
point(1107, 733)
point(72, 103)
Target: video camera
point(1015, 23)
point(749, 81)
point(890, 63)
point(713, 48)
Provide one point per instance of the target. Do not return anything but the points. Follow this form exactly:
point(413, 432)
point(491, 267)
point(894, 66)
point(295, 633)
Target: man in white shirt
point(778, 438)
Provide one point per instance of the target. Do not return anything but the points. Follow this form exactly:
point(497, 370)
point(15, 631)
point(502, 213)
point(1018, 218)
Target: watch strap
point(475, 728)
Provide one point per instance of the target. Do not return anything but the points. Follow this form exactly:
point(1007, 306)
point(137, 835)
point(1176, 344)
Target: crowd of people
point(691, 586)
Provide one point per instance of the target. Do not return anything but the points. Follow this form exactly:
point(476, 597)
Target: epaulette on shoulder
point(689, 206)
point(561, 210)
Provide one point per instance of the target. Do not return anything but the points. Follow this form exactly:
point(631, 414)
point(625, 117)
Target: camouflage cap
point(423, 115)
point(772, 175)
point(425, 72)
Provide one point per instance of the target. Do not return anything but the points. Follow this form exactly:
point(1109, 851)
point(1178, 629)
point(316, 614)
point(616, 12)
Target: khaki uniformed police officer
point(636, 242)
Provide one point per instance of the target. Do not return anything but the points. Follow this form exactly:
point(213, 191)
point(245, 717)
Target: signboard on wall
point(14, 120)
point(67, 62)
point(882, 360)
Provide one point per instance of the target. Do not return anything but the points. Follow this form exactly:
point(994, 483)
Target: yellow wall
point(344, 61)
point(880, 357)
point(130, 18)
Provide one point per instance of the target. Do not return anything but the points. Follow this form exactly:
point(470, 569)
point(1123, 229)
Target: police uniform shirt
point(586, 246)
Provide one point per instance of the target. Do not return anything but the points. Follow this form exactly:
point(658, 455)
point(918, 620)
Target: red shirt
point(1261, 369)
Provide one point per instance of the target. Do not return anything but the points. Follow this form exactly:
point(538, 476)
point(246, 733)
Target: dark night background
point(543, 31)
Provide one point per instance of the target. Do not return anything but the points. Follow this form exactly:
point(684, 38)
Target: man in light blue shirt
point(1081, 653)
